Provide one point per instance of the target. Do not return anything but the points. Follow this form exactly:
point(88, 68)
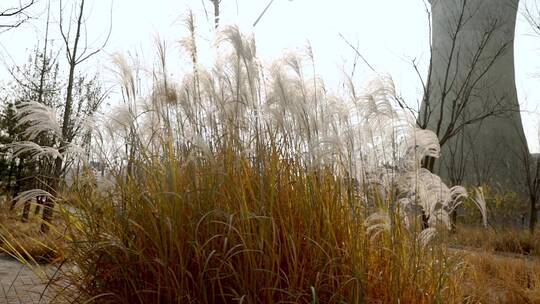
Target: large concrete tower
point(471, 101)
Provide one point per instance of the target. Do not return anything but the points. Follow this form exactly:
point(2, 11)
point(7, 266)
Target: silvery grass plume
point(377, 223)
point(421, 186)
point(379, 182)
point(438, 194)
point(440, 217)
point(244, 46)
point(105, 144)
point(426, 236)
point(419, 143)
point(457, 196)
point(124, 117)
point(113, 137)
point(73, 150)
point(381, 124)
point(189, 43)
point(29, 195)
point(121, 119)
point(376, 100)
point(38, 118)
point(480, 202)
point(431, 192)
point(125, 74)
point(246, 69)
point(33, 149)
point(403, 206)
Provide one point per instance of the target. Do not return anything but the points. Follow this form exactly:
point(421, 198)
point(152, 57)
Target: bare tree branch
point(532, 15)
point(19, 12)
point(357, 52)
point(262, 13)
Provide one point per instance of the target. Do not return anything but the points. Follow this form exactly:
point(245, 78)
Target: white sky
point(389, 34)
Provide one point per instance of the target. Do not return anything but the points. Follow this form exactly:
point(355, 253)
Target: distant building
point(98, 166)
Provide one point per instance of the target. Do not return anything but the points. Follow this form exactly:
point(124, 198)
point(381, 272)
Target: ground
point(19, 284)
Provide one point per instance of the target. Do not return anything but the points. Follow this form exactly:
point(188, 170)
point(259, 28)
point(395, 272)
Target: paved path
point(19, 284)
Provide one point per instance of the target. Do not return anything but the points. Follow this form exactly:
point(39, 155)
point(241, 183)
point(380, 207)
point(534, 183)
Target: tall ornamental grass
point(255, 184)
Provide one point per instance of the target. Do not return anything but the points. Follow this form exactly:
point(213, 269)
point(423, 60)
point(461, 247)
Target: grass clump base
point(234, 229)
point(24, 240)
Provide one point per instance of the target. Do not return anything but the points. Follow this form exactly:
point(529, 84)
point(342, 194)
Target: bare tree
point(37, 81)
point(16, 15)
point(461, 90)
point(531, 12)
point(215, 4)
point(77, 52)
point(45, 66)
point(530, 179)
point(457, 92)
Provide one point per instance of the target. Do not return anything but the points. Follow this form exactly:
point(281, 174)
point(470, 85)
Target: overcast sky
point(389, 34)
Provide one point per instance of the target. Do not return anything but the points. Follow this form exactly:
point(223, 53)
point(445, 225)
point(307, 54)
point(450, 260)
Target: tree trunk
point(66, 121)
point(428, 163)
point(48, 204)
point(26, 212)
point(40, 200)
point(12, 205)
point(453, 220)
point(425, 220)
point(48, 207)
point(532, 216)
point(216, 12)
point(9, 177)
point(17, 187)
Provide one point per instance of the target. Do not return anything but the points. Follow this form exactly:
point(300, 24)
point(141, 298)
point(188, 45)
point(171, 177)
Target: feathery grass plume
point(200, 144)
point(457, 196)
point(125, 114)
point(377, 223)
point(74, 150)
point(423, 187)
point(376, 99)
point(121, 118)
point(403, 208)
point(244, 46)
point(86, 123)
point(108, 135)
point(427, 143)
point(419, 144)
point(126, 76)
point(433, 192)
point(382, 125)
point(37, 119)
point(426, 236)
point(480, 202)
point(379, 184)
point(33, 149)
point(436, 199)
point(32, 194)
point(190, 44)
point(246, 66)
point(440, 217)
